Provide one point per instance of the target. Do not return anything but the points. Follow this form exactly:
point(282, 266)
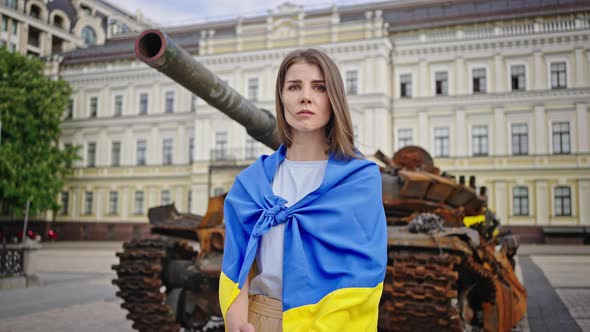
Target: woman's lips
point(305, 112)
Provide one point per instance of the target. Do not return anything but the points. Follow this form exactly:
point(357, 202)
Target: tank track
point(420, 292)
point(140, 282)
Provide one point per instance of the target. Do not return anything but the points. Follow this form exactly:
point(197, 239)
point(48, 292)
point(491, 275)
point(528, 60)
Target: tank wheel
point(151, 306)
point(420, 292)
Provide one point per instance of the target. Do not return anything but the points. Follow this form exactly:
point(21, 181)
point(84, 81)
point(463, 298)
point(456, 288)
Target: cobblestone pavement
point(77, 295)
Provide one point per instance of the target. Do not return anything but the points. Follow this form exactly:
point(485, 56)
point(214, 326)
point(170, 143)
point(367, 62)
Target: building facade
point(499, 90)
point(42, 28)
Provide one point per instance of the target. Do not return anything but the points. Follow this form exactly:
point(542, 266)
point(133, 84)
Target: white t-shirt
point(293, 181)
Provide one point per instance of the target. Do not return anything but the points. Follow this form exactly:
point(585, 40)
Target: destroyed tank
point(450, 267)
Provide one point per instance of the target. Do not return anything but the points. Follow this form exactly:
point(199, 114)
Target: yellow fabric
point(469, 221)
point(228, 291)
point(343, 310)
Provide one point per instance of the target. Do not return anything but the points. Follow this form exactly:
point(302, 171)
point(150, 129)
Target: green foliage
point(32, 166)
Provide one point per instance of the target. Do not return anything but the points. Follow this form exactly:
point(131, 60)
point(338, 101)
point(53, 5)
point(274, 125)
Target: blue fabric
point(335, 237)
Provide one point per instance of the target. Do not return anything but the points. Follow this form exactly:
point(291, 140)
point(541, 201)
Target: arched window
point(89, 36)
point(35, 12)
point(563, 201)
point(520, 201)
point(58, 22)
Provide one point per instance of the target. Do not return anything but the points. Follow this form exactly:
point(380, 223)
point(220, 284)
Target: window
point(10, 3)
point(517, 77)
point(165, 197)
point(65, 200)
point(250, 148)
point(167, 151)
point(253, 89)
point(405, 85)
point(520, 139)
point(218, 191)
point(139, 202)
point(558, 75)
point(70, 109)
point(191, 149)
point(563, 201)
point(479, 136)
point(143, 103)
point(169, 102)
point(220, 152)
point(88, 203)
point(113, 202)
point(352, 82)
point(190, 200)
point(35, 12)
point(58, 21)
point(14, 27)
point(89, 36)
point(561, 137)
point(520, 201)
point(441, 83)
point(93, 107)
point(116, 154)
point(479, 80)
point(441, 142)
point(4, 23)
point(118, 105)
point(141, 152)
point(404, 137)
point(194, 103)
point(91, 154)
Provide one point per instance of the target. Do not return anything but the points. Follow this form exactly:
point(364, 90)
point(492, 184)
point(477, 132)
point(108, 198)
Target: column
point(542, 202)
point(380, 75)
point(540, 143)
point(127, 150)
point(125, 204)
point(382, 131)
point(500, 198)
point(423, 87)
point(99, 204)
point(151, 197)
point(582, 129)
point(200, 198)
point(369, 77)
point(368, 115)
point(461, 79)
point(538, 71)
point(154, 155)
point(580, 72)
point(76, 198)
point(423, 132)
point(102, 149)
point(181, 146)
point(583, 199)
point(500, 141)
point(460, 138)
point(498, 74)
point(179, 200)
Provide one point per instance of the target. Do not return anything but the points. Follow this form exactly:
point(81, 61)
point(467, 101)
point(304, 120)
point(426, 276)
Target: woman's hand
point(246, 327)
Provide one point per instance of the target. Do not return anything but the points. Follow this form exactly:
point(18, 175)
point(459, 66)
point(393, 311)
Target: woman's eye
point(292, 87)
point(321, 87)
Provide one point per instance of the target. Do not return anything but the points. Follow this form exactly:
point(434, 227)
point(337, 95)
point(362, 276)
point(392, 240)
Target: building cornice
point(573, 95)
point(129, 121)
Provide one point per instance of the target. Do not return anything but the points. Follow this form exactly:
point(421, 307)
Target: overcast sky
point(180, 12)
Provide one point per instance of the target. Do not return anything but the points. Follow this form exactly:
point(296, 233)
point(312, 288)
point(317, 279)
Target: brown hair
point(339, 129)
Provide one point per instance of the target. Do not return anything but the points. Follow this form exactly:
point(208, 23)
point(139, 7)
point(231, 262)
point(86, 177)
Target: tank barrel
point(157, 50)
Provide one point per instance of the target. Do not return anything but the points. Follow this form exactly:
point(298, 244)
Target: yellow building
point(499, 90)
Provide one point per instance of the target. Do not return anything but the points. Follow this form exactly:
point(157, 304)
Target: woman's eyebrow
point(299, 81)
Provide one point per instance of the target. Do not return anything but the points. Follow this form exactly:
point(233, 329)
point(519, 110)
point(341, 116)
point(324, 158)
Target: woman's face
point(305, 99)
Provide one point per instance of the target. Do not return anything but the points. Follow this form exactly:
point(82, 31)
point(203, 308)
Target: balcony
point(233, 156)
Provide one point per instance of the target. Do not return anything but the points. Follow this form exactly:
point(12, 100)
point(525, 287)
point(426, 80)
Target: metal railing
point(235, 154)
point(12, 261)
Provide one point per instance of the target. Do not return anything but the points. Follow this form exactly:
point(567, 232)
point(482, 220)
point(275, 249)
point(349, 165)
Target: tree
point(32, 166)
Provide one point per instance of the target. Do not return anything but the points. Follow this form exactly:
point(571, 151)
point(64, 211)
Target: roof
point(401, 15)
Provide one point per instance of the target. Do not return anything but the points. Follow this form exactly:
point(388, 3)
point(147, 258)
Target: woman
point(310, 215)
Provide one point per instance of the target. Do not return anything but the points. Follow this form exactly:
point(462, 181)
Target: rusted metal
point(444, 278)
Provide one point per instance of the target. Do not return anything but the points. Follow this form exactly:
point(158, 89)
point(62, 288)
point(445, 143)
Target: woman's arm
point(237, 314)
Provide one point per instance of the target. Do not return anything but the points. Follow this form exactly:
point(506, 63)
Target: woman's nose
point(305, 99)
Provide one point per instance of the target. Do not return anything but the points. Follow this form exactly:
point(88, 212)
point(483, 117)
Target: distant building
point(43, 28)
point(499, 90)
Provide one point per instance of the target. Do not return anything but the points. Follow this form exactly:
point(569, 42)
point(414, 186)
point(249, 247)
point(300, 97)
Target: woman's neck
point(308, 147)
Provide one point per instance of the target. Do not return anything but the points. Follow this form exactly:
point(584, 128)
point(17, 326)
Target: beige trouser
point(265, 313)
